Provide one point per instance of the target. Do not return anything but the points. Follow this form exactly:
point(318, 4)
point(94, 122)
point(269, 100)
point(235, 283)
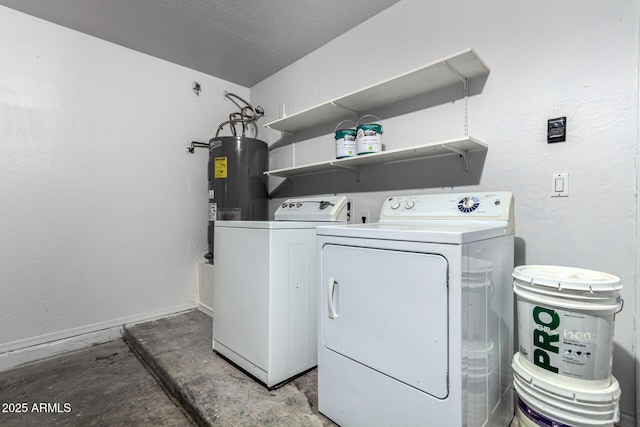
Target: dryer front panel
point(388, 310)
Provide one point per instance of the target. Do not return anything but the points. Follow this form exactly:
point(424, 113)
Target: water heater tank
point(237, 184)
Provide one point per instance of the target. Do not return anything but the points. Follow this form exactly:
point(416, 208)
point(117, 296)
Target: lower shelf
point(459, 146)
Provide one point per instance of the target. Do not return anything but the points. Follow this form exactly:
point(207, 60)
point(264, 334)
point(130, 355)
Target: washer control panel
point(495, 205)
point(333, 208)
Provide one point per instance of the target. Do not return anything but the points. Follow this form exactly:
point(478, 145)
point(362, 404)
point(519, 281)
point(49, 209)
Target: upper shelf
point(459, 146)
point(463, 65)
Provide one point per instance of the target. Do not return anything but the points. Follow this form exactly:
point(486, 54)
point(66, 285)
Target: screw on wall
point(196, 88)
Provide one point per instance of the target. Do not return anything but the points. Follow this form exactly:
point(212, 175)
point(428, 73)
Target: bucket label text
point(545, 339)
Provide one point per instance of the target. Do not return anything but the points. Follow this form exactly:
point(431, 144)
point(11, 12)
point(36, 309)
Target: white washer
point(416, 314)
point(264, 289)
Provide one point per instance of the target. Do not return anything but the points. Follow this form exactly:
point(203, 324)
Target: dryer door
point(388, 310)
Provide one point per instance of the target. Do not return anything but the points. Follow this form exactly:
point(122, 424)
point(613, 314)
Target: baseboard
point(627, 420)
point(205, 309)
point(12, 359)
point(28, 350)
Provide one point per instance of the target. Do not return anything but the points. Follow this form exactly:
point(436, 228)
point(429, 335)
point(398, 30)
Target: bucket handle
point(619, 310)
point(344, 121)
point(621, 307)
point(368, 115)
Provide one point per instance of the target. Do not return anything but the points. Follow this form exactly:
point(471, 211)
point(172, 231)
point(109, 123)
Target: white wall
point(103, 213)
point(548, 59)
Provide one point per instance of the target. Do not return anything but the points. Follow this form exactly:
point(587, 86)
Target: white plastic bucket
point(566, 322)
point(345, 141)
point(543, 403)
point(369, 136)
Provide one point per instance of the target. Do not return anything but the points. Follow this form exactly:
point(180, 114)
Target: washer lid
point(269, 225)
point(567, 278)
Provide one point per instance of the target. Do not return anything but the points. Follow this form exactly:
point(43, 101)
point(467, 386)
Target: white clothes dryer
point(416, 314)
point(265, 292)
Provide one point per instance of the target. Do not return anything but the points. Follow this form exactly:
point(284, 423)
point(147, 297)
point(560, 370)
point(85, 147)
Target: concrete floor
point(104, 385)
point(185, 383)
point(108, 385)
point(178, 350)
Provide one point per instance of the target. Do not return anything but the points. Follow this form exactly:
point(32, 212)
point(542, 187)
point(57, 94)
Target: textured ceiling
point(241, 41)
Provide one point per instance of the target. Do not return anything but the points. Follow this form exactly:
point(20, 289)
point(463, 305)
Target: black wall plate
point(557, 130)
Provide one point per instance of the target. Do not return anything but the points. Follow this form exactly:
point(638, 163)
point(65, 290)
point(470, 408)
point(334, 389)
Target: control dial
point(468, 204)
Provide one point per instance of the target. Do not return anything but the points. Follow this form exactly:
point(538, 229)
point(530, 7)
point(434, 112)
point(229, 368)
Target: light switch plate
point(560, 185)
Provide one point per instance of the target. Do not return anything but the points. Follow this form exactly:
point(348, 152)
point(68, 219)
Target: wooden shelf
point(452, 69)
point(459, 146)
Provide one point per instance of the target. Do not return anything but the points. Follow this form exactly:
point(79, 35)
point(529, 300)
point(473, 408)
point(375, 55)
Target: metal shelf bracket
point(464, 154)
point(465, 83)
point(356, 169)
point(352, 111)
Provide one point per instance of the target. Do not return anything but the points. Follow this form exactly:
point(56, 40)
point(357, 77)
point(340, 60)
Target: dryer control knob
point(395, 205)
point(468, 204)
point(409, 204)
